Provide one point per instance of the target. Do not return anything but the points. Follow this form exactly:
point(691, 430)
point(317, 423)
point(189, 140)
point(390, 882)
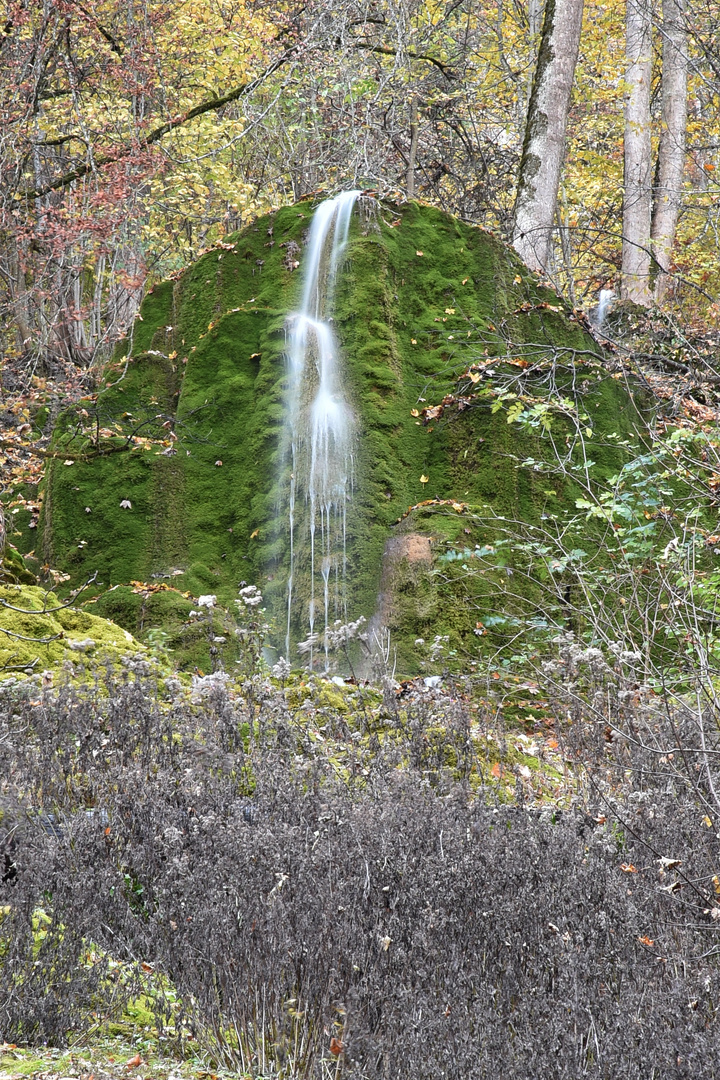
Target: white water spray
point(605, 300)
point(320, 426)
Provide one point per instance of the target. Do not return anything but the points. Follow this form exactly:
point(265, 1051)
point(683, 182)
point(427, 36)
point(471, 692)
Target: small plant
point(251, 631)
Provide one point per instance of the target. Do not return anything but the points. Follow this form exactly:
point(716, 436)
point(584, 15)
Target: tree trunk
point(412, 156)
point(671, 152)
point(637, 195)
point(544, 145)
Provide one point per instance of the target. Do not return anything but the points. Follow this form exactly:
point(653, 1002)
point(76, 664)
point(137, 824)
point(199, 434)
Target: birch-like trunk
point(544, 145)
point(637, 196)
point(671, 152)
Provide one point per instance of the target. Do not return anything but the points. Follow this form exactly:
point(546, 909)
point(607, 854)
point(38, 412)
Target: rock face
point(186, 464)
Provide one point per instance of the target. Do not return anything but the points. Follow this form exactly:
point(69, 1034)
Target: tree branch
point(112, 42)
point(45, 610)
point(160, 132)
point(8, 444)
point(386, 50)
point(35, 640)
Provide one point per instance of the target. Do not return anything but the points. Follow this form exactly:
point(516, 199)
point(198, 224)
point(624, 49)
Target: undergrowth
point(304, 890)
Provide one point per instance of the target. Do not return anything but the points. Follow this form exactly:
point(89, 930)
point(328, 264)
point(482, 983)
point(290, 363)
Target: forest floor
point(107, 1061)
point(138, 1056)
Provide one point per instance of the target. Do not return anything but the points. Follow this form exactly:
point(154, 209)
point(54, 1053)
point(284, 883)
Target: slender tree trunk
point(544, 145)
point(637, 197)
point(671, 152)
point(535, 14)
point(566, 247)
point(412, 156)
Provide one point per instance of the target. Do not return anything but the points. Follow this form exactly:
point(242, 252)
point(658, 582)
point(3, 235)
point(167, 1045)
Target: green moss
point(36, 633)
point(143, 614)
point(422, 296)
point(14, 569)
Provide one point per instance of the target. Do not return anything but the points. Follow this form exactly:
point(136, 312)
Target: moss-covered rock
point(182, 447)
point(38, 633)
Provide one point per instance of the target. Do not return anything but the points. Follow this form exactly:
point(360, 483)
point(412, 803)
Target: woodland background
point(134, 135)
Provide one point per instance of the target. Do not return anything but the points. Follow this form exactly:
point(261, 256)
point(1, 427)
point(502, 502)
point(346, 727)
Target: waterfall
point(605, 300)
point(320, 430)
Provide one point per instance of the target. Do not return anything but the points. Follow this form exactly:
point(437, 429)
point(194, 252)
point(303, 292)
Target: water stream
point(605, 300)
point(320, 433)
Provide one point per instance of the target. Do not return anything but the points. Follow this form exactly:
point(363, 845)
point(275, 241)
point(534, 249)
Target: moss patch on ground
point(37, 633)
point(175, 470)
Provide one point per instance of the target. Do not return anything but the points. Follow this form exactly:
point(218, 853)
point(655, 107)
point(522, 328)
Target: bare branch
point(45, 610)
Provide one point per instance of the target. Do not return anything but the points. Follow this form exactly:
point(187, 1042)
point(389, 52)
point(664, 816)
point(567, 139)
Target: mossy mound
point(173, 469)
point(38, 634)
point(162, 616)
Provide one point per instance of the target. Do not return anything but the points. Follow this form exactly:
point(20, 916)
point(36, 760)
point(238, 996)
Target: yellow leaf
point(253, 535)
point(449, 310)
point(413, 341)
point(414, 412)
point(517, 279)
point(424, 479)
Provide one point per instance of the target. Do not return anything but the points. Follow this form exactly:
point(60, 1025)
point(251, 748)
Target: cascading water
point(320, 430)
point(605, 300)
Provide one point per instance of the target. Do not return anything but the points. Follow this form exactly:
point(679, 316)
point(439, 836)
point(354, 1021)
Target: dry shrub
point(315, 917)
